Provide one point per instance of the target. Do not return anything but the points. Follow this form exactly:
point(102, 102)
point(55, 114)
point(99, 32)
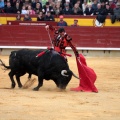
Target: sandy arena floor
point(50, 104)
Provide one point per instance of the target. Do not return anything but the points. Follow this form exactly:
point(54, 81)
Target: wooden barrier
point(37, 36)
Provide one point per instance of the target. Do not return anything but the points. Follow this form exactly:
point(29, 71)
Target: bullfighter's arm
point(69, 39)
point(54, 30)
point(51, 28)
point(74, 49)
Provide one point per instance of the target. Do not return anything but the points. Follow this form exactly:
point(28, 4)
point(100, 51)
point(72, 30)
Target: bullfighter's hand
point(69, 38)
point(47, 27)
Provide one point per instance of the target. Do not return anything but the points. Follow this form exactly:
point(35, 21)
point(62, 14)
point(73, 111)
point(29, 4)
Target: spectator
point(112, 4)
point(116, 13)
point(61, 22)
point(17, 8)
point(18, 17)
point(67, 10)
point(84, 5)
point(38, 8)
point(101, 13)
point(30, 11)
point(109, 11)
point(2, 4)
point(76, 10)
point(99, 10)
point(47, 8)
point(58, 9)
point(13, 2)
point(80, 3)
point(27, 3)
point(73, 2)
point(94, 5)
point(52, 4)
point(34, 2)
point(20, 3)
point(8, 8)
point(75, 23)
point(67, 2)
point(23, 11)
point(103, 4)
point(89, 10)
point(40, 16)
point(27, 18)
point(49, 17)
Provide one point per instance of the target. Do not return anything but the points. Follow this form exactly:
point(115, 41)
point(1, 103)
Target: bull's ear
point(63, 73)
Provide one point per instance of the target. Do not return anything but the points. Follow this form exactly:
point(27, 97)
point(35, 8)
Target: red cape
point(87, 76)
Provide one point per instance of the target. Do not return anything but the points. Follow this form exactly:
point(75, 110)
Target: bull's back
point(23, 58)
point(28, 57)
point(28, 52)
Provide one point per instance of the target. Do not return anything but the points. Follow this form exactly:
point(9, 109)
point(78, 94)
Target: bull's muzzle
point(62, 87)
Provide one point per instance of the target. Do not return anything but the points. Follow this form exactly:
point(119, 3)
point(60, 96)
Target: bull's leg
point(18, 75)
point(11, 74)
point(40, 82)
point(29, 76)
point(18, 81)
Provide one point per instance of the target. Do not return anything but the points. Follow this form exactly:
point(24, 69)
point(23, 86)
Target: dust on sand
point(50, 104)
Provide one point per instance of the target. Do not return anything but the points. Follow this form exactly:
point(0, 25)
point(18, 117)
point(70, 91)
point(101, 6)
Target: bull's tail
point(2, 64)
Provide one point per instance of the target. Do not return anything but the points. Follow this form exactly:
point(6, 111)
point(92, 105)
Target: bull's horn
point(63, 73)
point(75, 75)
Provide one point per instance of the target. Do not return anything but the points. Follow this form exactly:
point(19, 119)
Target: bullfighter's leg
point(40, 82)
point(11, 74)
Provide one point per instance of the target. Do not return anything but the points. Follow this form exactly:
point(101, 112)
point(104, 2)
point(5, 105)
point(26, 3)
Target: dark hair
point(60, 30)
point(47, 3)
point(18, 15)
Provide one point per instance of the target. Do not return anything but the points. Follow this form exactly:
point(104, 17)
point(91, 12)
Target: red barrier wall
point(105, 37)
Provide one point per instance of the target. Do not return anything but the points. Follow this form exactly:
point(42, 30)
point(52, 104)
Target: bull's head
point(65, 79)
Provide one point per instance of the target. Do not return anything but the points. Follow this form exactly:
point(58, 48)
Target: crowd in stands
point(47, 9)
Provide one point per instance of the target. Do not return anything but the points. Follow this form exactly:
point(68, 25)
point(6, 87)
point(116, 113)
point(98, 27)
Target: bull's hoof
point(35, 89)
point(20, 86)
point(13, 86)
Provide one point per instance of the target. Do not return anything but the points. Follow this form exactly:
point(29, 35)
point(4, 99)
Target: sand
point(51, 104)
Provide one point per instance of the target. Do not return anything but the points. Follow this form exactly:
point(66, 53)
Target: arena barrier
point(86, 39)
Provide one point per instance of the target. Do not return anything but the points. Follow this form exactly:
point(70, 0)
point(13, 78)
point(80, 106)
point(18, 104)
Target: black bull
point(51, 65)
